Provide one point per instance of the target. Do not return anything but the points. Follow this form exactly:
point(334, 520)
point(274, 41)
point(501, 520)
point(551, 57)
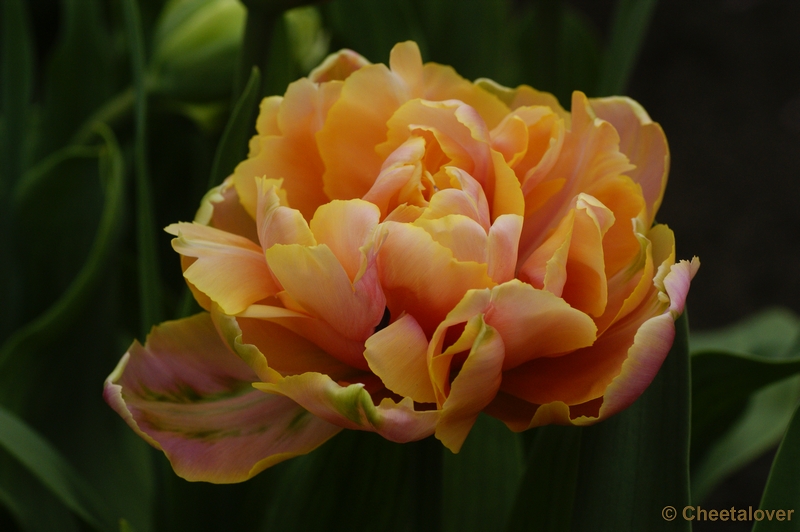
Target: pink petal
point(187, 394)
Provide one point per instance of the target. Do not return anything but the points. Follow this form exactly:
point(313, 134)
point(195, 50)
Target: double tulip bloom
point(402, 250)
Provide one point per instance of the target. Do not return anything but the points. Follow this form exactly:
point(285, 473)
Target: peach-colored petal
point(473, 387)
point(570, 263)
point(421, 277)
point(443, 83)
point(229, 269)
point(589, 154)
point(355, 124)
point(276, 223)
point(522, 96)
point(398, 355)
point(185, 393)
point(405, 61)
point(535, 323)
point(220, 208)
point(463, 236)
point(352, 407)
point(338, 66)
point(643, 142)
point(345, 227)
point(501, 247)
point(466, 197)
point(291, 155)
point(314, 278)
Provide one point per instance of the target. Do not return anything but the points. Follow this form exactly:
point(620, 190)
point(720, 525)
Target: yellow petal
point(398, 355)
point(229, 269)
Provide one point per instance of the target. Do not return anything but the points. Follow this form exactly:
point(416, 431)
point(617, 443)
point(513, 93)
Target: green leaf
point(149, 281)
point(356, 481)
point(631, 20)
point(546, 496)
point(561, 50)
point(476, 38)
point(481, 480)
point(15, 87)
point(33, 506)
point(232, 146)
point(44, 461)
point(16, 74)
point(730, 366)
point(79, 77)
point(17, 360)
point(759, 429)
point(783, 489)
point(636, 463)
point(373, 28)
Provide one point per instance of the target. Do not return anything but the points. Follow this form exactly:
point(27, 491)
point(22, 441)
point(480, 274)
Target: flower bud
point(196, 48)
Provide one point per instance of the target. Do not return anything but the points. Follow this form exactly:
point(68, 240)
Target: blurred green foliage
point(116, 117)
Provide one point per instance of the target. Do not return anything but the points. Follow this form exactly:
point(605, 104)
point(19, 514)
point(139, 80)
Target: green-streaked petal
point(352, 407)
point(187, 394)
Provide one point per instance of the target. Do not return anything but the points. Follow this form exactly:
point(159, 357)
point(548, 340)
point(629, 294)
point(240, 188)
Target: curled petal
point(398, 355)
point(338, 66)
point(188, 395)
point(229, 269)
point(474, 384)
point(643, 142)
point(352, 407)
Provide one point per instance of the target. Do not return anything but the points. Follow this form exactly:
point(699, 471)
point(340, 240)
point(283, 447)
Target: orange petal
point(316, 280)
point(276, 223)
point(421, 277)
point(291, 155)
point(502, 244)
point(643, 142)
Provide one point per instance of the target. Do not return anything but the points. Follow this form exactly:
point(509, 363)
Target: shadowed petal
point(352, 407)
point(398, 355)
point(187, 394)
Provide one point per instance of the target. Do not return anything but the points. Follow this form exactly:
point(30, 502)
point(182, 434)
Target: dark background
point(723, 79)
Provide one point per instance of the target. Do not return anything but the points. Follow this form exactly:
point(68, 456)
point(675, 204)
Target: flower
point(402, 250)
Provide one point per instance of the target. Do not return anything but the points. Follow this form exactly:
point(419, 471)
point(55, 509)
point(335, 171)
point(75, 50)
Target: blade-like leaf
point(631, 20)
point(561, 51)
point(44, 461)
point(356, 481)
point(636, 463)
point(759, 429)
point(16, 355)
point(783, 489)
point(149, 282)
point(481, 480)
point(730, 424)
point(16, 72)
point(232, 146)
point(79, 76)
point(545, 499)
